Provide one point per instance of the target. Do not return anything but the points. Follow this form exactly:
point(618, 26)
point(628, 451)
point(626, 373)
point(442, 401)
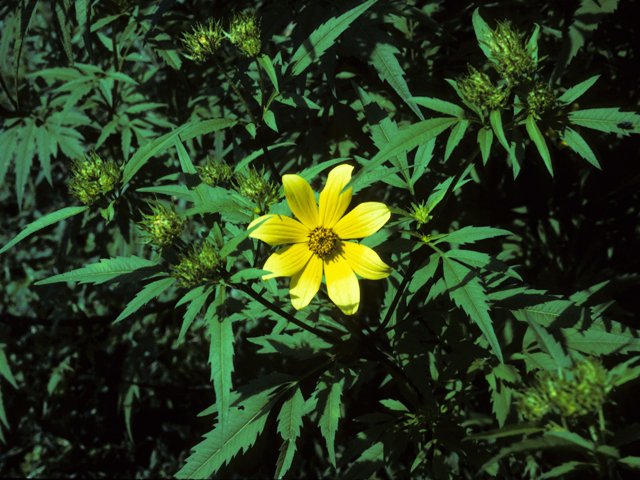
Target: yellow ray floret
point(316, 241)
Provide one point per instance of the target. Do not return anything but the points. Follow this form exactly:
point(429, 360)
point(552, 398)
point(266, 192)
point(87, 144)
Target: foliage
point(501, 139)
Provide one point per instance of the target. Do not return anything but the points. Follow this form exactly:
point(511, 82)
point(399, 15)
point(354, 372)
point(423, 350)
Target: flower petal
point(342, 283)
point(364, 220)
point(301, 200)
point(278, 230)
point(332, 204)
point(306, 283)
point(365, 262)
point(287, 261)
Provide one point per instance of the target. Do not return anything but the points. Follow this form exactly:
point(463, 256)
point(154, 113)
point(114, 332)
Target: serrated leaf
point(197, 301)
point(482, 260)
point(578, 145)
point(594, 342)
point(118, 269)
point(496, 123)
point(485, 140)
point(576, 91)
point(471, 234)
point(147, 151)
point(565, 468)
point(267, 64)
point(221, 360)
point(148, 293)
point(548, 343)
point(296, 100)
point(330, 401)
point(633, 462)
point(371, 461)
point(247, 274)
point(180, 191)
point(466, 291)
point(457, 134)
point(204, 127)
point(62, 8)
point(383, 58)
point(289, 424)
point(404, 141)
point(604, 119)
point(483, 33)
point(166, 49)
point(193, 180)
point(383, 130)
point(424, 274)
point(250, 405)
point(538, 140)
point(324, 37)
point(44, 222)
point(441, 106)
point(553, 439)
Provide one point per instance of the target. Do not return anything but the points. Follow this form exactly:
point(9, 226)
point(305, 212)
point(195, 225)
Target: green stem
point(235, 89)
point(274, 308)
point(417, 259)
point(261, 82)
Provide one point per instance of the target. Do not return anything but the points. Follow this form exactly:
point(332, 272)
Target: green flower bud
point(509, 57)
point(245, 33)
point(196, 268)
point(577, 391)
point(541, 98)
point(203, 42)
point(478, 89)
point(215, 173)
point(92, 177)
point(163, 226)
point(255, 187)
point(533, 404)
point(420, 213)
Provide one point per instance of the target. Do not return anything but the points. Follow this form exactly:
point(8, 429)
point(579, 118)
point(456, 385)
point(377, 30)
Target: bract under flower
point(317, 241)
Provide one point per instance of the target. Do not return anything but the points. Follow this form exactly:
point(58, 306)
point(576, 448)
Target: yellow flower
point(318, 241)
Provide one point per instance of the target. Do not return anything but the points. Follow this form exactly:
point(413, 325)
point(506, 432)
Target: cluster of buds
point(541, 98)
point(509, 57)
point(215, 173)
point(92, 177)
point(578, 391)
point(257, 188)
point(478, 90)
point(198, 267)
point(162, 226)
point(203, 42)
point(244, 32)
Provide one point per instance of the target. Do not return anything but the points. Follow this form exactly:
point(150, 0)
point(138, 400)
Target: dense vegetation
point(492, 330)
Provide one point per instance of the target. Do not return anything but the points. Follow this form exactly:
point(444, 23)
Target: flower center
point(322, 241)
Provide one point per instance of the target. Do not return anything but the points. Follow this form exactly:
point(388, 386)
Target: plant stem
point(261, 83)
point(274, 308)
point(235, 89)
point(417, 259)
